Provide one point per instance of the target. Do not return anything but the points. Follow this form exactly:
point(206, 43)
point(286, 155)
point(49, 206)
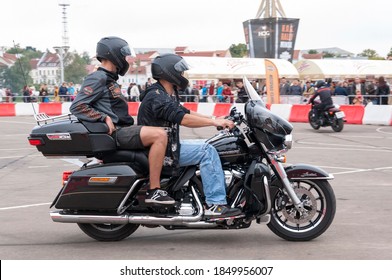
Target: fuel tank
point(231, 149)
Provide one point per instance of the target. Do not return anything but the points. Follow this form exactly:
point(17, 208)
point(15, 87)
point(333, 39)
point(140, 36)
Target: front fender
point(305, 171)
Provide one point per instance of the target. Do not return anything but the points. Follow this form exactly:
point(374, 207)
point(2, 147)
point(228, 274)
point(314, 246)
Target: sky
point(199, 24)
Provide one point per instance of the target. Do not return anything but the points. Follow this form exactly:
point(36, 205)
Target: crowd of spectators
point(355, 91)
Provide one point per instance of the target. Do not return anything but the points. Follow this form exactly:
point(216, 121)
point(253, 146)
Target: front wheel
point(108, 232)
point(319, 203)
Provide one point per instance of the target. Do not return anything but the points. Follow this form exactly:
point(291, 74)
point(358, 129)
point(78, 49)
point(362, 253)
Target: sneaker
point(221, 211)
point(158, 196)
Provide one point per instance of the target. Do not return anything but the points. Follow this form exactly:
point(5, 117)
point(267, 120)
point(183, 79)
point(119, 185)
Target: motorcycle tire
point(313, 123)
point(337, 124)
point(320, 207)
point(108, 232)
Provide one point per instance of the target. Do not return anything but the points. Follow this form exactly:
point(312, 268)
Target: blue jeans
point(193, 152)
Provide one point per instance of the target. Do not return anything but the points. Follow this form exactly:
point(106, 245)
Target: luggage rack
point(44, 118)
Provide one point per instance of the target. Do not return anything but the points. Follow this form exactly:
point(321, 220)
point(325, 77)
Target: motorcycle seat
point(136, 159)
point(329, 107)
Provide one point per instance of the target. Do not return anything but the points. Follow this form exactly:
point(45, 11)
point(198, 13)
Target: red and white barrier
point(378, 114)
point(371, 114)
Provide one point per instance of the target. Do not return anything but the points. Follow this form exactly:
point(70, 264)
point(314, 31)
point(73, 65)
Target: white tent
point(235, 68)
point(339, 69)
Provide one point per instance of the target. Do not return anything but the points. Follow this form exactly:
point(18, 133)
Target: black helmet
point(320, 84)
point(115, 50)
point(170, 67)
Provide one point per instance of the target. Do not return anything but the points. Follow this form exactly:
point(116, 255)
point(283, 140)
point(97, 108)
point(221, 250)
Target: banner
point(272, 82)
point(271, 37)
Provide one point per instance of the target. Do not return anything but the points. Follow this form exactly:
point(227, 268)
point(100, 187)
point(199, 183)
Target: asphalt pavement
point(360, 158)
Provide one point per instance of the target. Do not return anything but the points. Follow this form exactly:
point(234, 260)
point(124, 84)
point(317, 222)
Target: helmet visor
point(181, 66)
point(127, 51)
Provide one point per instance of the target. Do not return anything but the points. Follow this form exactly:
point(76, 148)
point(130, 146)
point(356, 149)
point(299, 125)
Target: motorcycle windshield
point(270, 129)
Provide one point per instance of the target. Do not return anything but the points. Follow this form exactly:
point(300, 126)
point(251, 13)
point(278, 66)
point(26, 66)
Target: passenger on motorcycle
point(160, 107)
point(324, 92)
point(100, 100)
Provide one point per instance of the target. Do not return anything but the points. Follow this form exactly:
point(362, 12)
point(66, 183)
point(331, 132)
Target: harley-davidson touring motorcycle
point(106, 198)
point(331, 116)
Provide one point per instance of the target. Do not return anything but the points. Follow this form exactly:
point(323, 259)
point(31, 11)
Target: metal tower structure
point(270, 9)
point(64, 4)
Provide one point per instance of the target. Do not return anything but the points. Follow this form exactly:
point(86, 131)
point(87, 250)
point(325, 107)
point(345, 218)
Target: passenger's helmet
point(115, 50)
point(170, 67)
point(320, 84)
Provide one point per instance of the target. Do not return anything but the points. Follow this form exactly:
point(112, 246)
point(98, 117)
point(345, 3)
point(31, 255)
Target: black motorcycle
point(106, 199)
point(331, 116)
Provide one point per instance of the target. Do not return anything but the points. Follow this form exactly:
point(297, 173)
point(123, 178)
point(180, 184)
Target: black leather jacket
point(157, 108)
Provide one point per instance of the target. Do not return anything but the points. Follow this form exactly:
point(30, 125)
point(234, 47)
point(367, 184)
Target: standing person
point(135, 93)
point(284, 87)
point(26, 94)
point(8, 94)
point(159, 108)
point(228, 96)
point(56, 94)
point(129, 91)
point(357, 85)
point(63, 92)
point(100, 100)
point(295, 88)
point(383, 91)
point(204, 93)
point(211, 92)
point(148, 83)
point(71, 91)
point(309, 91)
point(43, 92)
point(242, 96)
point(219, 92)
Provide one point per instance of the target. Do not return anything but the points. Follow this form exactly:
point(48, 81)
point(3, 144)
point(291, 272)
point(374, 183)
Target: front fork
point(281, 172)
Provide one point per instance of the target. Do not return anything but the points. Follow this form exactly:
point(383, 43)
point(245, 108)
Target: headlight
point(288, 141)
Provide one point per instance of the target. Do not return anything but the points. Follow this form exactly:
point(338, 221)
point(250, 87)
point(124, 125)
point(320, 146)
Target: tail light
point(66, 175)
point(36, 141)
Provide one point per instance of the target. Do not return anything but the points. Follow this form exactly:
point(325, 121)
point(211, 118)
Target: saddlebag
point(100, 187)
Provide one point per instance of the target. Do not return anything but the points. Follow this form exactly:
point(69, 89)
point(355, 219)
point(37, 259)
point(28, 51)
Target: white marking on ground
point(24, 206)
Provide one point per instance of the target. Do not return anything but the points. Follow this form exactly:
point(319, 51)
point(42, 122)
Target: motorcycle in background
point(331, 116)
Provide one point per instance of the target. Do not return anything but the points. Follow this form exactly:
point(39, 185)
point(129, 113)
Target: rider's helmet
point(170, 67)
point(320, 84)
point(115, 50)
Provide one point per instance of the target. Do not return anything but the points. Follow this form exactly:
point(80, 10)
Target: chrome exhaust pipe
point(57, 216)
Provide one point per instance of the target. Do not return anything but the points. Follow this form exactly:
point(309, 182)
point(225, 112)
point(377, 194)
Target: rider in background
point(324, 92)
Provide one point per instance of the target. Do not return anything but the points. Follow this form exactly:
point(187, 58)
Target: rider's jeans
point(193, 152)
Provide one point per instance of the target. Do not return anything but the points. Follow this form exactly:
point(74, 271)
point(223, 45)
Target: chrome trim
point(267, 194)
point(57, 216)
point(288, 141)
point(121, 208)
point(329, 177)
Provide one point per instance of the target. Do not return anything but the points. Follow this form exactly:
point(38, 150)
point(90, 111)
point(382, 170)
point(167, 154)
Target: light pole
point(61, 52)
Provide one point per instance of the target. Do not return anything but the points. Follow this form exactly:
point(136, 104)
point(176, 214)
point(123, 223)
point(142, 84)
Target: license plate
point(340, 115)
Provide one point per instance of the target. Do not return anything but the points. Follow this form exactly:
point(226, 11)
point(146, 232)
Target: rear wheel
point(313, 121)
point(108, 232)
point(337, 124)
point(319, 210)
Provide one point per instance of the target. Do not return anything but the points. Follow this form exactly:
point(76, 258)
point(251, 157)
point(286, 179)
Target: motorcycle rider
point(324, 92)
point(100, 100)
point(160, 107)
